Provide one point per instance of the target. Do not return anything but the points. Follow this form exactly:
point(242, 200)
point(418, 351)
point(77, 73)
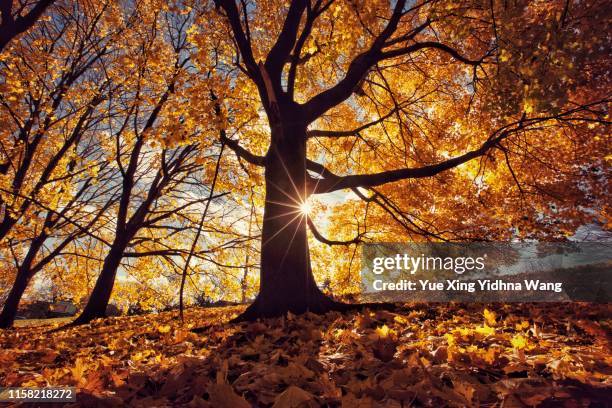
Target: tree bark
point(286, 280)
point(24, 275)
point(11, 27)
point(101, 293)
point(245, 275)
point(9, 310)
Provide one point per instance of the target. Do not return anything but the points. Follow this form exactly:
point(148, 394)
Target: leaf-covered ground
point(418, 355)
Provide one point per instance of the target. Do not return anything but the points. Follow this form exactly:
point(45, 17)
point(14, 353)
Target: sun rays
point(306, 207)
point(298, 207)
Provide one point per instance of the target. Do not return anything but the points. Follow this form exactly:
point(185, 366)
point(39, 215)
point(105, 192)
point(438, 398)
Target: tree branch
point(311, 16)
point(11, 27)
point(244, 46)
point(344, 133)
point(279, 53)
point(332, 182)
point(397, 52)
point(357, 70)
point(241, 152)
point(324, 240)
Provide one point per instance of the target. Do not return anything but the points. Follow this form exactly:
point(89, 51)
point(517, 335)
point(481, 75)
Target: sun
point(306, 207)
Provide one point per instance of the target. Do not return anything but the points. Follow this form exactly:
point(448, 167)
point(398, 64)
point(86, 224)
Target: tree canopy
point(148, 143)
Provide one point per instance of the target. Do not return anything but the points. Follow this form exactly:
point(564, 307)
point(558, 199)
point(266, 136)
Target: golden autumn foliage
point(157, 155)
point(144, 81)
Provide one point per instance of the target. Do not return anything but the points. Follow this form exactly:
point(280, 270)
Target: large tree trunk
point(6, 225)
point(101, 293)
point(24, 275)
point(9, 311)
point(286, 280)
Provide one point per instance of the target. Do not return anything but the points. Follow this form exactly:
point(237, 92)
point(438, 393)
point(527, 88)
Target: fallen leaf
point(295, 397)
point(223, 396)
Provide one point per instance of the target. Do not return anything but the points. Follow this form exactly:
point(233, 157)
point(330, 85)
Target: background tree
point(50, 158)
point(98, 138)
point(156, 152)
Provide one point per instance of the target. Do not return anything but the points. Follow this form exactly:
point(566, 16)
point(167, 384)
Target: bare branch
point(357, 70)
point(344, 133)
point(324, 240)
point(241, 152)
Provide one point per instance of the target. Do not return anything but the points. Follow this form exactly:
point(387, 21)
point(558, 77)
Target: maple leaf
point(485, 330)
point(224, 396)
point(490, 318)
point(295, 397)
point(78, 370)
point(522, 325)
point(519, 342)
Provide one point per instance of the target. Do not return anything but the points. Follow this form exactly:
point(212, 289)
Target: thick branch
point(357, 70)
point(426, 45)
point(332, 182)
point(279, 53)
point(241, 152)
point(11, 27)
point(296, 59)
point(324, 240)
point(376, 179)
point(244, 46)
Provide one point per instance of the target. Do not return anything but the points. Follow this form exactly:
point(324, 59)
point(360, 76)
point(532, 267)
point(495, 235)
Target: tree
point(98, 169)
point(414, 68)
point(153, 160)
point(429, 120)
point(75, 216)
point(50, 169)
point(38, 104)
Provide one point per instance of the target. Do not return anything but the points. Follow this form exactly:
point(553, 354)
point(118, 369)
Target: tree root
point(322, 304)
